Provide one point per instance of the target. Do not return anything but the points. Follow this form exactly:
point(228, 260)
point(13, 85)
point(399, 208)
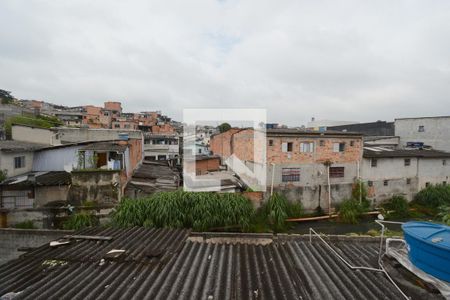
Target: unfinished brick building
point(303, 165)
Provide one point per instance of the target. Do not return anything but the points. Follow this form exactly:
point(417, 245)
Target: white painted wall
point(7, 162)
point(35, 135)
point(436, 131)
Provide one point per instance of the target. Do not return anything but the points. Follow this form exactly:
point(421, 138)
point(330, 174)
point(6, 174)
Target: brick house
point(220, 144)
point(304, 165)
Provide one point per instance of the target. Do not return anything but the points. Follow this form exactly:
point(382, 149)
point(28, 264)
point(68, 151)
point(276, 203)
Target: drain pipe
point(329, 190)
point(273, 177)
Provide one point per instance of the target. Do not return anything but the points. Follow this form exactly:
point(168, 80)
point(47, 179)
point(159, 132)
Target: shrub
point(25, 225)
point(359, 191)
point(199, 211)
point(444, 214)
point(3, 175)
point(276, 210)
point(433, 196)
point(80, 220)
point(398, 207)
point(350, 211)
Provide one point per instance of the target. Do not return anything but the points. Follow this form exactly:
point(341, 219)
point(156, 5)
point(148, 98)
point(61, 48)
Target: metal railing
point(380, 254)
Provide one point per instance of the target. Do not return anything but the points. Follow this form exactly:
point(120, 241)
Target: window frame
point(338, 172)
point(290, 175)
point(407, 162)
point(373, 162)
point(309, 146)
point(19, 162)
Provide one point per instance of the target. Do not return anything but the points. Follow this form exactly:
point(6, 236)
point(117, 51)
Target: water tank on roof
point(429, 247)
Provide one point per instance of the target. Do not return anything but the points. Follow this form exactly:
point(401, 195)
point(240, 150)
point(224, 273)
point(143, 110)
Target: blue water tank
point(429, 247)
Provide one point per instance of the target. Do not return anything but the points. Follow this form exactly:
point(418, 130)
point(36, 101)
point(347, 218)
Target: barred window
point(336, 172)
point(290, 174)
point(19, 162)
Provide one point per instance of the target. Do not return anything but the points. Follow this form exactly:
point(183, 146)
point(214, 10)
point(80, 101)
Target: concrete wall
point(73, 135)
point(13, 239)
point(35, 135)
point(7, 162)
point(394, 171)
point(433, 171)
point(103, 187)
point(47, 194)
point(58, 159)
point(436, 131)
point(313, 184)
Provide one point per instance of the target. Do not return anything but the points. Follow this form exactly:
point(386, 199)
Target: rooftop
point(374, 152)
point(105, 146)
point(51, 178)
point(176, 264)
point(283, 131)
point(432, 117)
point(18, 146)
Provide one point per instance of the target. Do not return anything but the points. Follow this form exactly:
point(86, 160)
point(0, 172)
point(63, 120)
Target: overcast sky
point(343, 60)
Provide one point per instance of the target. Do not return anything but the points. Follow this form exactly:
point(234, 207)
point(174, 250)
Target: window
point(336, 172)
point(306, 147)
point(427, 184)
point(421, 128)
point(370, 183)
point(116, 125)
point(444, 162)
point(407, 161)
point(322, 143)
point(270, 142)
point(352, 143)
point(338, 147)
point(373, 163)
point(290, 174)
point(385, 183)
point(408, 180)
point(19, 162)
point(286, 147)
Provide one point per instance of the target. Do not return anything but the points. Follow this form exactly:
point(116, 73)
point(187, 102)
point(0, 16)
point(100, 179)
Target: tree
point(3, 175)
point(6, 97)
point(224, 127)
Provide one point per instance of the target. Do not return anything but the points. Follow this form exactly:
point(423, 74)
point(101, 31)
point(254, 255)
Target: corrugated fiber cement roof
point(170, 264)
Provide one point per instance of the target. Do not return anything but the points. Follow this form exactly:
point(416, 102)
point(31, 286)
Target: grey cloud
point(347, 60)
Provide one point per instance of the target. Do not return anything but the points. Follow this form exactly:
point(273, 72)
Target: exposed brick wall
point(203, 166)
point(220, 144)
point(320, 153)
point(242, 145)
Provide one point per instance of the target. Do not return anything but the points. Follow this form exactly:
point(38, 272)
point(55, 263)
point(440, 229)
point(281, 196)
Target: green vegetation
point(444, 214)
point(205, 211)
point(432, 202)
point(397, 207)
point(80, 220)
point(3, 175)
point(433, 196)
point(199, 211)
point(25, 225)
point(359, 191)
point(350, 211)
point(6, 97)
point(273, 214)
point(39, 121)
point(224, 127)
